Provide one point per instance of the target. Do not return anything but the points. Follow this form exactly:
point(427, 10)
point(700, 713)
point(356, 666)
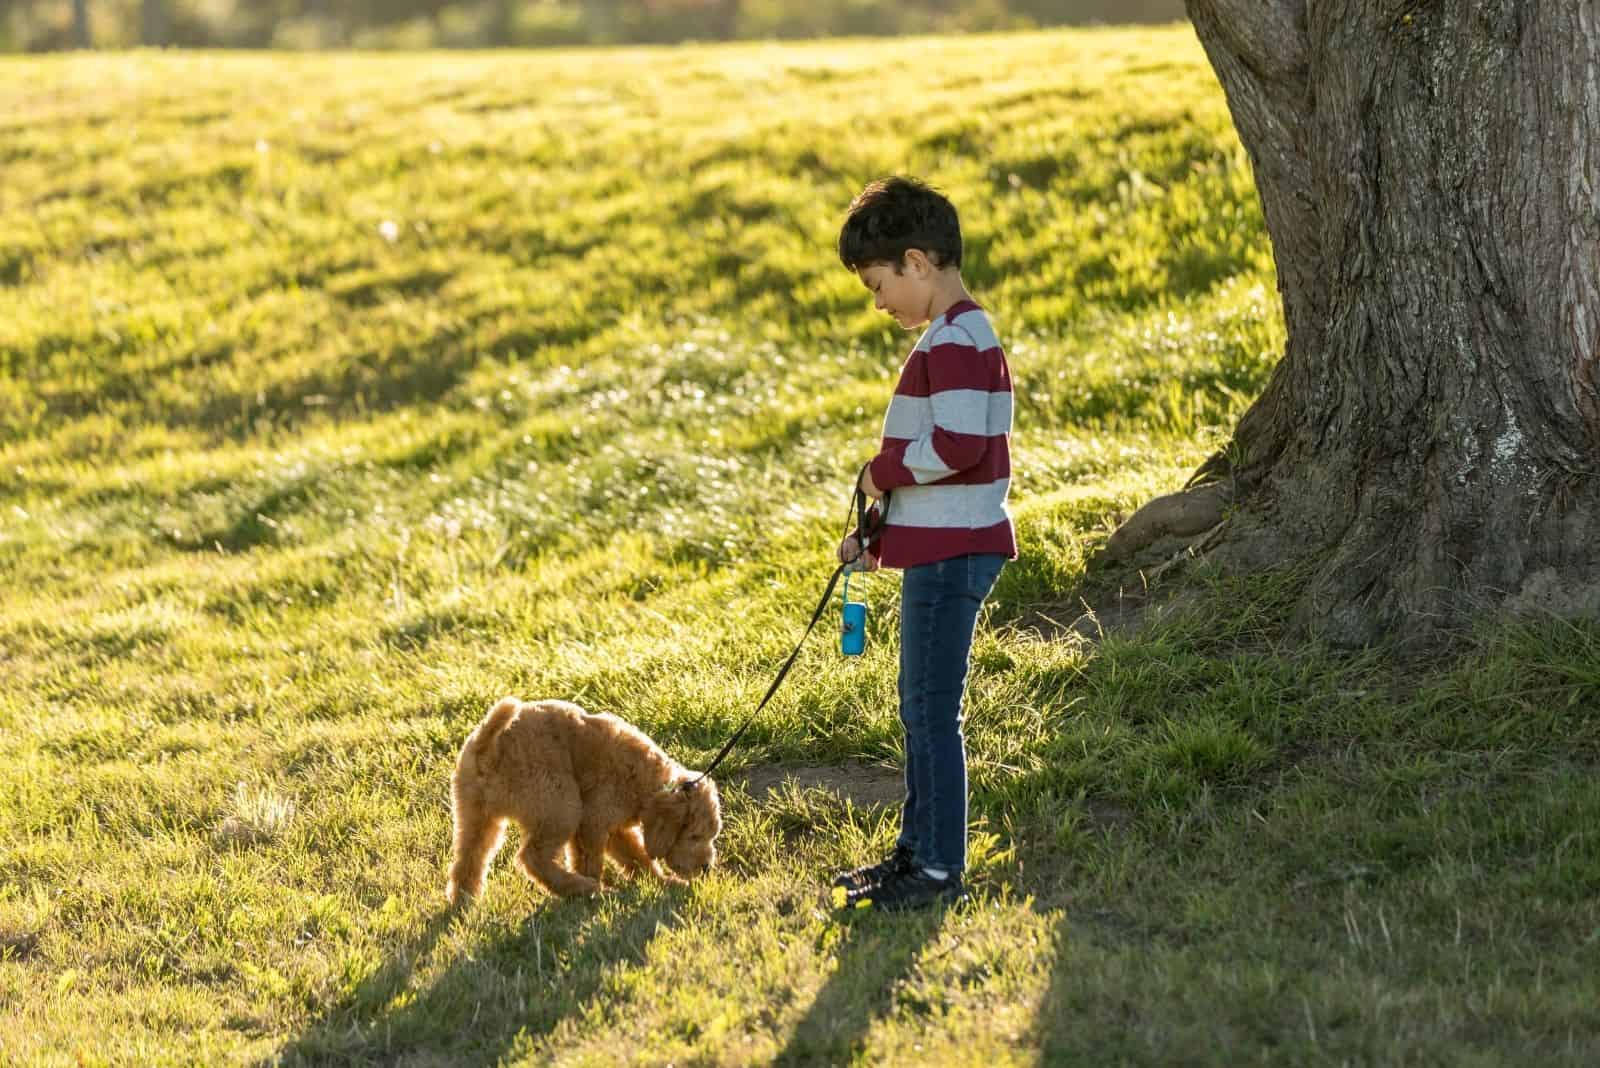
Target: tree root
point(1165, 521)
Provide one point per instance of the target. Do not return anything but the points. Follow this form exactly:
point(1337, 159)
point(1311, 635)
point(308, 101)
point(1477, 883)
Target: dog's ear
point(663, 820)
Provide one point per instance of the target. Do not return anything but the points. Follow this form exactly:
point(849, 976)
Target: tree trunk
point(1429, 171)
point(503, 24)
point(153, 22)
point(81, 37)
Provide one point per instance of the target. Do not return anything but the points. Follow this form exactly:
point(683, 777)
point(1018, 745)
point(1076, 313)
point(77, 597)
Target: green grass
point(289, 495)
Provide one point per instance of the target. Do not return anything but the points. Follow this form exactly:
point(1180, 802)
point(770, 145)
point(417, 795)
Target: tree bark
point(1429, 172)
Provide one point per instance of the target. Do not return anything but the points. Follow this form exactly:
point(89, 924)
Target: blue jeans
point(939, 605)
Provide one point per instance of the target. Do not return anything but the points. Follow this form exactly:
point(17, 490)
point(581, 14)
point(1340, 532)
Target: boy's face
point(905, 294)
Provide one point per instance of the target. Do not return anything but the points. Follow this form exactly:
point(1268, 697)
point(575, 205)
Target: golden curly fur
point(577, 784)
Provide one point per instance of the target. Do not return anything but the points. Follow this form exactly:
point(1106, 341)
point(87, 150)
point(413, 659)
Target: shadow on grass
point(874, 955)
point(514, 984)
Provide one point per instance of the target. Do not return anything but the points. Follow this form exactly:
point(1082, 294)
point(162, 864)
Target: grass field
point(341, 395)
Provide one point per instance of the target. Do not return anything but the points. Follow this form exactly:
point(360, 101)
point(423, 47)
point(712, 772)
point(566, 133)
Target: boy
point(945, 460)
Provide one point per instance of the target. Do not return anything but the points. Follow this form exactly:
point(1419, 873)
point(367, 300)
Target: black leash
point(864, 533)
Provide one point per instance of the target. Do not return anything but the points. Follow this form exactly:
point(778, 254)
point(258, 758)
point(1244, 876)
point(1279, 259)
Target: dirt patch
point(1108, 815)
point(18, 945)
point(1119, 613)
point(863, 784)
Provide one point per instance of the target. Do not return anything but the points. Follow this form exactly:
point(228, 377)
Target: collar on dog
point(866, 529)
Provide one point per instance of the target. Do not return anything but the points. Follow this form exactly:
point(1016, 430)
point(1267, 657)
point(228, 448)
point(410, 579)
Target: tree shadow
point(1132, 788)
point(874, 954)
point(511, 986)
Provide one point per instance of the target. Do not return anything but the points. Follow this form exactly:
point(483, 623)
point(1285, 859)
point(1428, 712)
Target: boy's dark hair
point(893, 215)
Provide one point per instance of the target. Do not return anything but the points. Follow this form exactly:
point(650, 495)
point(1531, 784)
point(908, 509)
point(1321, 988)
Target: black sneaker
point(896, 863)
point(911, 890)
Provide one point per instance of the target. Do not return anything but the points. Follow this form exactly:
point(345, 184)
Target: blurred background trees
point(45, 25)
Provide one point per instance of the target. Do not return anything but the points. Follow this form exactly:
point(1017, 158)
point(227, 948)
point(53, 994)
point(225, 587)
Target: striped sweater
point(946, 451)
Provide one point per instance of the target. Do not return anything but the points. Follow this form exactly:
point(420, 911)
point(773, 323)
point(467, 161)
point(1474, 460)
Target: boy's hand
point(850, 553)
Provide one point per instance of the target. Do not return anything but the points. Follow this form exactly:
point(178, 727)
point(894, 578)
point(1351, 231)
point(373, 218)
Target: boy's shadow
point(513, 985)
point(875, 953)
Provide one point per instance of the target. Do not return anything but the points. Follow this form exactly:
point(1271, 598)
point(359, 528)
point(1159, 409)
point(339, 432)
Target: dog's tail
point(483, 738)
point(478, 829)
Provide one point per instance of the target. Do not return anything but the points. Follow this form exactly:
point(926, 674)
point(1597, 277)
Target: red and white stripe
point(946, 451)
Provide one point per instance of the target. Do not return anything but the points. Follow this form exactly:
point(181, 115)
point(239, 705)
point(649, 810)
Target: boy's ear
point(918, 261)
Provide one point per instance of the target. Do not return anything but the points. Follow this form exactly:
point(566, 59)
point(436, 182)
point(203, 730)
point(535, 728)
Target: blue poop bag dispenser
point(853, 630)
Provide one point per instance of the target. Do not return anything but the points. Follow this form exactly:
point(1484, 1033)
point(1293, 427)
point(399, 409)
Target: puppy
point(577, 785)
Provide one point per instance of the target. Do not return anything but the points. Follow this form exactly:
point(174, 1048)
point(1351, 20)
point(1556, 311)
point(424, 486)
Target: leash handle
point(868, 526)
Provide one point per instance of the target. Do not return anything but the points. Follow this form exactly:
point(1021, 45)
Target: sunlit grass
point(342, 395)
